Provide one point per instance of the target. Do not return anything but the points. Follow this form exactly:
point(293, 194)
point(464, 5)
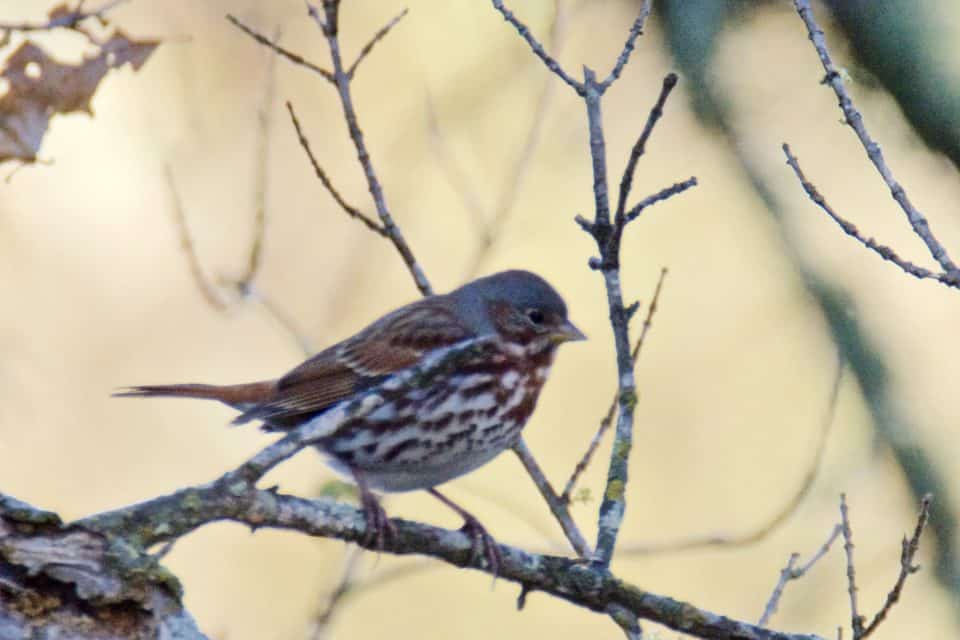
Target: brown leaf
point(39, 87)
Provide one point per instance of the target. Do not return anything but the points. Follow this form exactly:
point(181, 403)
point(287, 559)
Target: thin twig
point(537, 48)
point(792, 572)
point(907, 553)
point(289, 55)
point(636, 30)
point(608, 418)
point(349, 209)
point(262, 153)
point(377, 37)
point(783, 514)
point(853, 118)
point(345, 585)
point(330, 28)
point(857, 620)
point(557, 506)
point(607, 237)
point(640, 146)
point(352, 588)
point(664, 194)
point(206, 287)
point(885, 252)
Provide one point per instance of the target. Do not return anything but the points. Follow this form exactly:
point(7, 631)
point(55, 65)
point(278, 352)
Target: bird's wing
point(396, 341)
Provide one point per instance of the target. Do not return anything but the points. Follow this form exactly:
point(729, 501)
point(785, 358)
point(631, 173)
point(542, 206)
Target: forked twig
point(289, 55)
point(908, 551)
point(852, 117)
point(792, 572)
point(349, 209)
point(885, 252)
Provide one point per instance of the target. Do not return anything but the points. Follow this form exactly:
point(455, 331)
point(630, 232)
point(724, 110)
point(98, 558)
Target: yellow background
point(733, 382)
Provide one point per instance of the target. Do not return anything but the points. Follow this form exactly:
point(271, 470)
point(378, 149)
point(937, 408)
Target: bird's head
point(520, 307)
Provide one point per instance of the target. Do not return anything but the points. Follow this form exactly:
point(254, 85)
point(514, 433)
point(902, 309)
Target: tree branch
point(853, 118)
point(951, 279)
point(167, 517)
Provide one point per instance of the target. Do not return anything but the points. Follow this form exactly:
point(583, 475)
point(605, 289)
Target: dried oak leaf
point(39, 87)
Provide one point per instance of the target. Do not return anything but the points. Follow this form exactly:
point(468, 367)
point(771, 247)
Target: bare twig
point(640, 146)
point(557, 506)
point(857, 620)
point(885, 252)
point(66, 20)
point(351, 588)
point(608, 418)
point(852, 116)
point(907, 553)
point(349, 209)
point(262, 153)
point(792, 572)
point(377, 37)
point(782, 515)
point(344, 586)
point(635, 32)
point(289, 55)
point(664, 194)
point(329, 25)
point(537, 48)
point(206, 287)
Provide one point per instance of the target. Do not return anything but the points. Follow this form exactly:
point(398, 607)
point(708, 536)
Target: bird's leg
point(483, 542)
point(378, 523)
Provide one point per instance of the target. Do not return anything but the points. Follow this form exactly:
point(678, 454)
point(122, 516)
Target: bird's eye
point(535, 316)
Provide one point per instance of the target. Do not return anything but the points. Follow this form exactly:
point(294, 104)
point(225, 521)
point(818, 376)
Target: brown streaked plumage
point(503, 331)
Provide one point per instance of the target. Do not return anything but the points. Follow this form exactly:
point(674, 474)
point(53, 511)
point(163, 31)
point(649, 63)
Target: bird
point(487, 348)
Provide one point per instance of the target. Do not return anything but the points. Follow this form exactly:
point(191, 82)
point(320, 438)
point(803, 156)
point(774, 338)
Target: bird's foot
point(484, 545)
point(379, 526)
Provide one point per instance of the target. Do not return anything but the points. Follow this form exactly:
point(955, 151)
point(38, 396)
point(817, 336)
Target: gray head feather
point(521, 289)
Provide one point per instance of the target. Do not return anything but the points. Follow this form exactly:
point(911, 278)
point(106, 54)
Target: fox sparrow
point(492, 342)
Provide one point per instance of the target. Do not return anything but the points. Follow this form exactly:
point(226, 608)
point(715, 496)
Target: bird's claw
point(484, 545)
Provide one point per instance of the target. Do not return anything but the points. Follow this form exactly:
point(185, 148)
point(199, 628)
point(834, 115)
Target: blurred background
point(735, 379)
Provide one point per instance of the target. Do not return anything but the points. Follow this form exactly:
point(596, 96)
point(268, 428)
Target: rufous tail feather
point(238, 396)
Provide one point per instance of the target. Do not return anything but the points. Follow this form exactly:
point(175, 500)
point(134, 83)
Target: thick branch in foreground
point(68, 581)
point(171, 516)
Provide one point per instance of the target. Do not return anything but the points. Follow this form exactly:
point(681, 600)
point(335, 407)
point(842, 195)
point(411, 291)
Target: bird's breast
point(420, 436)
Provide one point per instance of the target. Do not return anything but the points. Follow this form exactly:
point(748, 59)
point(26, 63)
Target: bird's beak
point(566, 332)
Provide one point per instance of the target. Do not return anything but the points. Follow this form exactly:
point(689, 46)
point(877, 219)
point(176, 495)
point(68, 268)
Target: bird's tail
point(238, 396)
